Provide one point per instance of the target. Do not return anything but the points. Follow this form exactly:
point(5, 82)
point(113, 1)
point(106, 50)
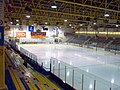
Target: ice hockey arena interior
point(59, 44)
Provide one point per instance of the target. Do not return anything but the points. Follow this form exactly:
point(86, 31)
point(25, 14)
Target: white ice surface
point(101, 64)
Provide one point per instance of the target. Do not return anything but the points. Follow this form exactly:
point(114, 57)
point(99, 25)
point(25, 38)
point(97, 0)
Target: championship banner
point(38, 35)
point(20, 34)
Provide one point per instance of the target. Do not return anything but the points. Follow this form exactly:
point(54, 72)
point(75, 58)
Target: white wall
point(24, 28)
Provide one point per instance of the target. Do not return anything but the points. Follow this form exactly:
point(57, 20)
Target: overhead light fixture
point(81, 24)
point(46, 22)
point(54, 5)
point(106, 15)
point(11, 22)
point(65, 20)
point(117, 25)
point(94, 23)
point(17, 20)
point(27, 16)
point(17, 24)
point(70, 25)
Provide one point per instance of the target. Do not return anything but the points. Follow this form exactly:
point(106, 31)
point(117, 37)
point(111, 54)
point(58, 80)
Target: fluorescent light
point(17, 20)
point(28, 16)
point(92, 32)
point(65, 20)
point(106, 15)
point(54, 6)
point(94, 23)
point(117, 25)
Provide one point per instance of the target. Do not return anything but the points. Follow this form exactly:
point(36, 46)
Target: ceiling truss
point(75, 11)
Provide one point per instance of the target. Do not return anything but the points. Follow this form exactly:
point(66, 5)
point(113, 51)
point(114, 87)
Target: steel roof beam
point(74, 3)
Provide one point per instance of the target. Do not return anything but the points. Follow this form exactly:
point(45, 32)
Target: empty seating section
point(102, 42)
point(115, 45)
point(99, 42)
point(79, 39)
point(96, 41)
point(109, 43)
point(25, 78)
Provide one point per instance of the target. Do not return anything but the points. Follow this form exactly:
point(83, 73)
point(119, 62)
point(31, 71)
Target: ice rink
point(101, 64)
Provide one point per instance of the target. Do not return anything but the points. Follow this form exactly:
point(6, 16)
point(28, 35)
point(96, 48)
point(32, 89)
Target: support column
point(2, 60)
point(2, 56)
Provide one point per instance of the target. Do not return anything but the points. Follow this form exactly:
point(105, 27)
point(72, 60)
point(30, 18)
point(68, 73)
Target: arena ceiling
point(74, 11)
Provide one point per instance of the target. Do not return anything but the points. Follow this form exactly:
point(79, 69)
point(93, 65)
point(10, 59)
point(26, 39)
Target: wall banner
point(20, 34)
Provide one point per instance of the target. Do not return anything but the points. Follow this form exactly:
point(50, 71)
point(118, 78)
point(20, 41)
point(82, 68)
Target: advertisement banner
point(20, 34)
point(38, 35)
